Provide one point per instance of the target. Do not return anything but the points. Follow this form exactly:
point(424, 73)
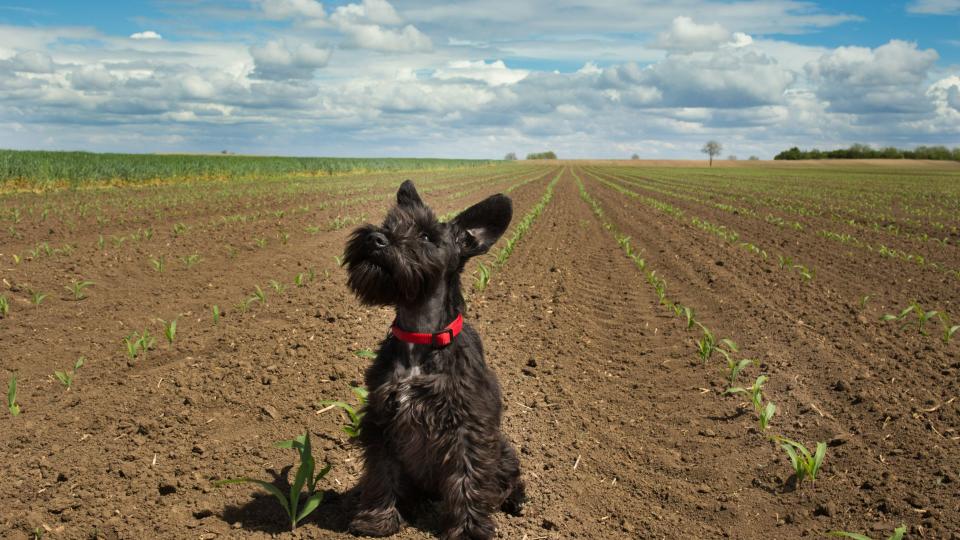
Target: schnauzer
point(432, 422)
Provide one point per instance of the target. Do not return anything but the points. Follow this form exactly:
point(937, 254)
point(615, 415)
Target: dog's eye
point(424, 237)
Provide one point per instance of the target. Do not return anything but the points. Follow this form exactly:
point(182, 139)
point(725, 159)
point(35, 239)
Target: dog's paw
point(513, 504)
point(376, 523)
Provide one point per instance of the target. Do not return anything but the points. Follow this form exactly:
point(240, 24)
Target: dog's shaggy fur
point(432, 422)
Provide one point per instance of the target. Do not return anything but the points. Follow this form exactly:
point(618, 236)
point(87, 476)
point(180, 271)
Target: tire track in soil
point(595, 377)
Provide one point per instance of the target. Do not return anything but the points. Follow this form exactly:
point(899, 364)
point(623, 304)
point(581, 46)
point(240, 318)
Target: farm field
point(612, 326)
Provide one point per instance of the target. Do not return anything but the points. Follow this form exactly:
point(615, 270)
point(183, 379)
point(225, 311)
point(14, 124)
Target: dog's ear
point(407, 195)
point(480, 226)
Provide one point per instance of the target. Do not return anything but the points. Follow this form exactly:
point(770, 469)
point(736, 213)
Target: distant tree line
point(542, 155)
point(864, 151)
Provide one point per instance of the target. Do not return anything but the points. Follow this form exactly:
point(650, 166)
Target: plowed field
point(593, 325)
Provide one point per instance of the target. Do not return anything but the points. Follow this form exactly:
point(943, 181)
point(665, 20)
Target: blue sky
point(477, 78)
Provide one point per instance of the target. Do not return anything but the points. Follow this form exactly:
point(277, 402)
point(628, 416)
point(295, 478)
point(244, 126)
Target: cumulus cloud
point(92, 78)
point(953, 97)
point(367, 26)
point(888, 79)
point(686, 35)
point(496, 73)
point(29, 62)
point(278, 59)
point(149, 34)
point(934, 7)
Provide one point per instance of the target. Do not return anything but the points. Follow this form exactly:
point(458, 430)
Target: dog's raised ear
point(407, 195)
point(477, 228)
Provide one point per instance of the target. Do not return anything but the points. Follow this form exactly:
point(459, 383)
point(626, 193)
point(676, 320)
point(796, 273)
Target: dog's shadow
point(263, 512)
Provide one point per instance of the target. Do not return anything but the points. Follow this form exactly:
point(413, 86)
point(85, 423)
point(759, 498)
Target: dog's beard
point(381, 277)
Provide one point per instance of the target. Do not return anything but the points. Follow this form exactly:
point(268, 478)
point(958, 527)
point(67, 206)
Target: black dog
point(432, 422)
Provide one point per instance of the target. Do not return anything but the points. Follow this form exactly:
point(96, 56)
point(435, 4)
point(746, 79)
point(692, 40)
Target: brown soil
point(622, 432)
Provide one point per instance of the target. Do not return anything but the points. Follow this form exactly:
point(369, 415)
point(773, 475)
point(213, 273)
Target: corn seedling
point(296, 506)
point(260, 242)
point(755, 391)
point(734, 368)
point(783, 261)
point(765, 415)
point(215, 309)
point(706, 344)
point(922, 316)
point(139, 344)
point(897, 534)
point(158, 264)
point(4, 306)
point(863, 301)
point(806, 273)
point(300, 279)
point(365, 353)
point(16, 259)
point(12, 397)
point(805, 465)
point(76, 288)
point(283, 237)
point(169, 330)
point(191, 260)
point(259, 294)
point(277, 286)
point(178, 229)
point(356, 414)
point(66, 377)
point(100, 242)
point(948, 330)
point(483, 277)
point(338, 259)
point(688, 315)
point(36, 297)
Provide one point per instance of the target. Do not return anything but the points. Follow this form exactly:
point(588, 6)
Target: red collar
point(438, 339)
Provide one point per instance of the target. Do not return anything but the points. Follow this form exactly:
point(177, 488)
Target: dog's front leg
point(469, 490)
point(377, 494)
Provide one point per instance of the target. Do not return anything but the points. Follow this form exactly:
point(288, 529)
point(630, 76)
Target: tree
point(754, 158)
point(731, 157)
point(542, 155)
point(635, 156)
point(511, 156)
point(712, 148)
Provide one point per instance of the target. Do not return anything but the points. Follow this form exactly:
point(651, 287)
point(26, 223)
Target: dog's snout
point(377, 240)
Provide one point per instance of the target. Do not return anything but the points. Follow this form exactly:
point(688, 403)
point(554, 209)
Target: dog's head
point(402, 261)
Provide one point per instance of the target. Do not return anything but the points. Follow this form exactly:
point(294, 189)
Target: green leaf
point(310, 505)
point(323, 472)
point(818, 458)
point(361, 393)
point(365, 353)
point(274, 490)
point(732, 345)
point(888, 317)
point(794, 459)
point(898, 533)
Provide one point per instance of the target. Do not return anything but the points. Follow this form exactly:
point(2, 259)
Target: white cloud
point(685, 35)
point(888, 79)
point(496, 73)
point(279, 59)
point(377, 38)
point(291, 9)
point(149, 34)
point(30, 62)
point(372, 11)
point(934, 7)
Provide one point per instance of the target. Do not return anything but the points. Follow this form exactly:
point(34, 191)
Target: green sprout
point(365, 353)
point(12, 397)
point(16, 259)
point(784, 261)
point(284, 237)
point(215, 309)
point(755, 391)
point(4, 306)
point(138, 344)
point(260, 242)
point(100, 242)
point(339, 260)
point(355, 413)
point(948, 330)
point(734, 368)
point(483, 277)
point(300, 279)
point(766, 415)
point(76, 288)
point(305, 477)
point(65, 377)
point(922, 316)
point(863, 301)
point(689, 314)
point(897, 534)
point(191, 260)
point(805, 465)
point(169, 330)
point(259, 294)
point(178, 229)
point(277, 286)
point(36, 297)
point(158, 263)
point(706, 344)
